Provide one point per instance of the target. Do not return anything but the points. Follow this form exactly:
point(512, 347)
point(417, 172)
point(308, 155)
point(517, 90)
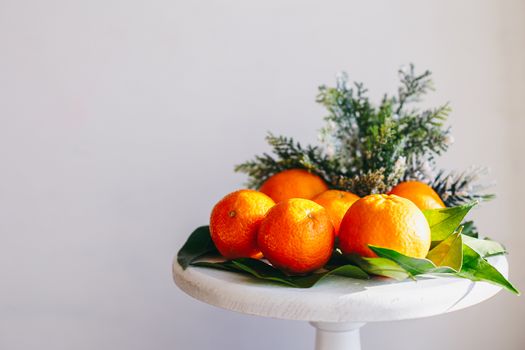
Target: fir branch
point(369, 149)
point(365, 139)
point(413, 86)
point(288, 155)
point(426, 136)
point(457, 188)
point(349, 109)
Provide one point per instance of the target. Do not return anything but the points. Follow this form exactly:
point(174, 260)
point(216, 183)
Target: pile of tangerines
point(294, 219)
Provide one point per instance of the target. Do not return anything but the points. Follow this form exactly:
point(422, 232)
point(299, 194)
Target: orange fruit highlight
point(293, 183)
point(386, 221)
point(420, 193)
point(337, 204)
point(235, 220)
point(297, 236)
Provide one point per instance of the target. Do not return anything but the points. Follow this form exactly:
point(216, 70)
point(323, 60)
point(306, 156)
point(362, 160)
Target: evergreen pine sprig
point(289, 154)
point(458, 188)
point(369, 149)
point(412, 87)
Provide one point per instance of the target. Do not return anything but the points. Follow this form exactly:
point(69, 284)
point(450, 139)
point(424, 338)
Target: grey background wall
point(121, 121)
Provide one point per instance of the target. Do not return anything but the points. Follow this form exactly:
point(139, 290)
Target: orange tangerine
point(297, 236)
point(420, 193)
point(235, 220)
point(337, 204)
point(386, 221)
point(293, 183)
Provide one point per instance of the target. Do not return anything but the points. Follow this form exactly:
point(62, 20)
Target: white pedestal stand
point(337, 307)
point(337, 336)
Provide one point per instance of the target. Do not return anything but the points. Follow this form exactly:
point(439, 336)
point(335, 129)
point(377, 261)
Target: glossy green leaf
point(199, 243)
point(449, 252)
point(445, 257)
point(443, 222)
point(350, 271)
point(414, 266)
point(263, 271)
point(485, 247)
point(379, 267)
point(221, 265)
point(476, 268)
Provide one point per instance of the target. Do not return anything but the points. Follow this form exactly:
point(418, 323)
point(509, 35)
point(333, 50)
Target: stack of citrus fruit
point(294, 219)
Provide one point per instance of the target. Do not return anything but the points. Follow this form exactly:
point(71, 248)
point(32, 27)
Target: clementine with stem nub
point(386, 221)
point(297, 236)
point(235, 220)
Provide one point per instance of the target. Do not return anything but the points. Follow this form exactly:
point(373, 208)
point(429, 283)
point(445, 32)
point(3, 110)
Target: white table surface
point(336, 299)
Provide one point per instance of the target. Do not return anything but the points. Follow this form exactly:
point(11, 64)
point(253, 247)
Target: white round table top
point(336, 298)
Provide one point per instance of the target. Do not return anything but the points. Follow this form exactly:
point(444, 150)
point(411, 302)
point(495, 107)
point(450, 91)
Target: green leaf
point(199, 243)
point(349, 271)
point(476, 268)
point(443, 222)
point(485, 247)
point(379, 266)
point(414, 266)
point(469, 229)
point(449, 252)
point(444, 258)
point(263, 271)
point(222, 265)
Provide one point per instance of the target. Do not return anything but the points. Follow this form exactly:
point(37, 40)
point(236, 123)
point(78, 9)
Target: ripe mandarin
point(235, 220)
point(297, 236)
point(293, 183)
point(420, 193)
point(386, 221)
point(337, 204)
